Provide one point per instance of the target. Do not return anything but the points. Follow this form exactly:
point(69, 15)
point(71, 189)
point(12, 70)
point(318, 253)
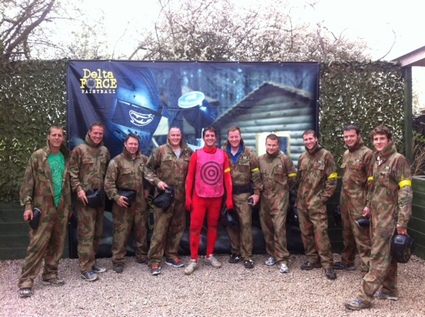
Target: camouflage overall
point(164, 165)
point(245, 174)
point(87, 171)
point(278, 174)
point(356, 167)
point(47, 241)
point(126, 173)
point(390, 203)
point(317, 180)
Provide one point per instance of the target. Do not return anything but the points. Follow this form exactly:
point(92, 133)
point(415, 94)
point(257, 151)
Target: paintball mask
point(129, 194)
point(164, 199)
point(35, 222)
point(402, 247)
point(362, 221)
point(95, 198)
point(229, 217)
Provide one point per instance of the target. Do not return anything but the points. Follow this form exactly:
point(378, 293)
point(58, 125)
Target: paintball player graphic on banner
point(136, 108)
point(198, 112)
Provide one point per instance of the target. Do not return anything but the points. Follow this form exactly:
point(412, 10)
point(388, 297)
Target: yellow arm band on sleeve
point(333, 176)
point(292, 175)
point(406, 182)
point(255, 170)
point(370, 178)
point(227, 170)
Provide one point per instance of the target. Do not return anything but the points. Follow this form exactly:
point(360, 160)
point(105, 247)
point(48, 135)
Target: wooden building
point(271, 108)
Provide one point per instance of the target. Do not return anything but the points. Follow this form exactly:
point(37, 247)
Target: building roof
point(414, 58)
point(255, 96)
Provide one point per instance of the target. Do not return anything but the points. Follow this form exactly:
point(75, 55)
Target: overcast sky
point(382, 23)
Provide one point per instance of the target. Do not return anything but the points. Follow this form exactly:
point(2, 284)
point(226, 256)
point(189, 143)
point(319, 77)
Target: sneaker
point(192, 266)
point(356, 304)
point(98, 269)
point(89, 276)
point(283, 268)
point(234, 258)
point(25, 292)
point(249, 264)
point(342, 266)
point(155, 270)
point(176, 262)
point(118, 267)
point(330, 274)
point(307, 266)
point(270, 261)
point(380, 295)
point(213, 261)
point(53, 281)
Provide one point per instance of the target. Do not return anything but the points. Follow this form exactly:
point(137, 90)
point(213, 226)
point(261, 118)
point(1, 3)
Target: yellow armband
point(333, 176)
point(370, 178)
point(406, 182)
point(227, 170)
point(292, 175)
point(255, 170)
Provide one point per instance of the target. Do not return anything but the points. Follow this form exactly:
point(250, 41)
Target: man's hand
point(122, 202)
point(255, 199)
point(162, 185)
point(366, 212)
point(28, 215)
point(402, 231)
point(82, 196)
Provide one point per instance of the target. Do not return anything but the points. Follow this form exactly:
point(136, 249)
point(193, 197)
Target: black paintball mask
point(164, 199)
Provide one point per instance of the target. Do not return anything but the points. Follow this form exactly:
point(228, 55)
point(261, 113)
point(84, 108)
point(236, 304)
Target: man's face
point(131, 145)
point(234, 139)
point(310, 141)
point(272, 146)
point(380, 141)
point(96, 134)
point(351, 138)
point(56, 138)
point(174, 136)
point(210, 139)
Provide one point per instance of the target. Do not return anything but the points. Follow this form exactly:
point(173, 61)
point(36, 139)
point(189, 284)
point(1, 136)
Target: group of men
point(53, 175)
point(374, 184)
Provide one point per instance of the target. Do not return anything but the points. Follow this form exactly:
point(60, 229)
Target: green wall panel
point(416, 227)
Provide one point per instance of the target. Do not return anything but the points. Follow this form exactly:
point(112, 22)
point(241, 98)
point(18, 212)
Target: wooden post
point(408, 117)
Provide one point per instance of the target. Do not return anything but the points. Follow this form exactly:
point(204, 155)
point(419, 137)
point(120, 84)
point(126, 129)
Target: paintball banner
point(148, 98)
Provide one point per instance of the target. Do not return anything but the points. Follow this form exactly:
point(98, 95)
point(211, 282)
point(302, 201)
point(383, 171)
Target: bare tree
point(18, 21)
point(49, 29)
point(87, 41)
point(222, 31)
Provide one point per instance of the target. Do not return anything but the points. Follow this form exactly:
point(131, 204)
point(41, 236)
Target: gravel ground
point(229, 291)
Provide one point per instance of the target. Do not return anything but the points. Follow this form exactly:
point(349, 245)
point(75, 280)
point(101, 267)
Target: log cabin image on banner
point(148, 98)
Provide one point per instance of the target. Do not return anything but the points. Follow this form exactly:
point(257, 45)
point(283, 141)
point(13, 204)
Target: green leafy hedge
point(33, 97)
point(363, 94)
